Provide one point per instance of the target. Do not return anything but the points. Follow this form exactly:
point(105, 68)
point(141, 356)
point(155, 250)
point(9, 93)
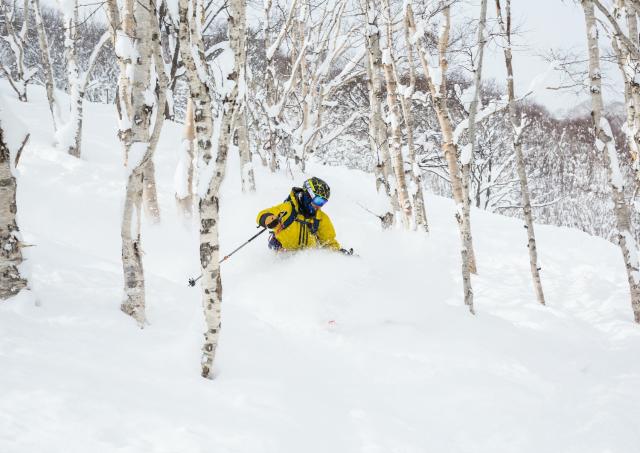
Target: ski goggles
point(318, 200)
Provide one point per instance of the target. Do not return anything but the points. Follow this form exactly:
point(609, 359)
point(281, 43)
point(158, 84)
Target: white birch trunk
point(605, 143)
point(517, 130)
point(467, 157)
point(123, 102)
point(395, 120)
point(150, 193)
point(413, 171)
point(135, 47)
point(438, 96)
point(379, 128)
point(70, 135)
point(209, 204)
point(192, 53)
point(627, 50)
point(11, 282)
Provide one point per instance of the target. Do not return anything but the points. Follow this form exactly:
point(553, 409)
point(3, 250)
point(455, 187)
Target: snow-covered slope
point(319, 352)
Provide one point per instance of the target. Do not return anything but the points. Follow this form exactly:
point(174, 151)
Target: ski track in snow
point(403, 368)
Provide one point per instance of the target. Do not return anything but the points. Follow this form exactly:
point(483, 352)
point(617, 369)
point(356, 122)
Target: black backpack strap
point(314, 227)
point(292, 217)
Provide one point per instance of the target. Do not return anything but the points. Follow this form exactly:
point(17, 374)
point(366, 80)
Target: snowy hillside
point(319, 352)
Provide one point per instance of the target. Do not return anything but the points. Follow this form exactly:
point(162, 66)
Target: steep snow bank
point(319, 352)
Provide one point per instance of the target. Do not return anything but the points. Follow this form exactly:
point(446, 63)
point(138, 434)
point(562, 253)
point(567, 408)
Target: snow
point(319, 352)
point(14, 130)
point(173, 8)
point(125, 48)
point(221, 67)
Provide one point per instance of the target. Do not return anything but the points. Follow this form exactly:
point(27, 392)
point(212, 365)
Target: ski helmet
point(316, 187)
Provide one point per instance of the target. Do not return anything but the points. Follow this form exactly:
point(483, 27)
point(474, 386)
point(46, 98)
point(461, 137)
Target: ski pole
point(369, 211)
point(192, 281)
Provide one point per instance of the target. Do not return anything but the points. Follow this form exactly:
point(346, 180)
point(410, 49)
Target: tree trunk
point(605, 144)
point(467, 157)
point(150, 193)
point(438, 96)
point(192, 53)
point(123, 102)
point(413, 172)
point(395, 119)
point(517, 130)
point(138, 33)
point(209, 204)
point(374, 56)
point(11, 282)
point(70, 135)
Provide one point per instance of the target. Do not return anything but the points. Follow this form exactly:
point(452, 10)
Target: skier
point(299, 222)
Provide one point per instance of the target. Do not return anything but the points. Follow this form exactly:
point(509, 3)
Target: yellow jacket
point(297, 231)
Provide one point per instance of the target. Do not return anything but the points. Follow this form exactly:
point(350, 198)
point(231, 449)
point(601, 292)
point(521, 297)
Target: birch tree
point(605, 144)
point(11, 282)
point(69, 134)
point(468, 152)
point(438, 90)
point(140, 115)
point(413, 171)
point(388, 63)
point(378, 134)
point(211, 167)
point(17, 42)
point(625, 41)
point(517, 130)
point(209, 203)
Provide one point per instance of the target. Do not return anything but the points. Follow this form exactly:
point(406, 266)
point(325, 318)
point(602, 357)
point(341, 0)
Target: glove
point(271, 221)
point(347, 252)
